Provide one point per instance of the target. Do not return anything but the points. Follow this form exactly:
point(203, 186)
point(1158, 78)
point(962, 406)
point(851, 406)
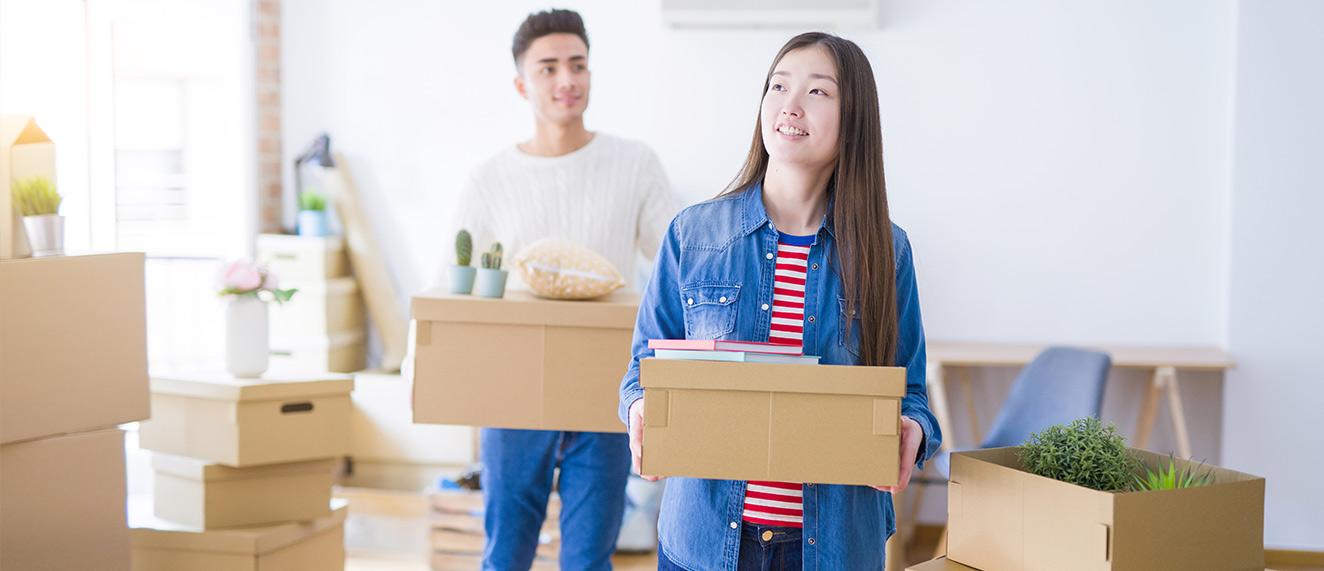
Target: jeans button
point(767, 536)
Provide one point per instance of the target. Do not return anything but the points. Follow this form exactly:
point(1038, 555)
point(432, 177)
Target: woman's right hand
point(637, 438)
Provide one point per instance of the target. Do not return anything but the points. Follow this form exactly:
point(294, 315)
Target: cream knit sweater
point(610, 196)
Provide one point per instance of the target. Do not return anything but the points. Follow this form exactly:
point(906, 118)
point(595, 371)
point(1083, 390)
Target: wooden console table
point(1164, 361)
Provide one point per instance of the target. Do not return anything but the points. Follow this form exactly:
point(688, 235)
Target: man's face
point(554, 77)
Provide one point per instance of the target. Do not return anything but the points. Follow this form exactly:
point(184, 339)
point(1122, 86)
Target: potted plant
point(36, 200)
point(462, 275)
point(312, 213)
point(1084, 453)
point(491, 281)
point(246, 288)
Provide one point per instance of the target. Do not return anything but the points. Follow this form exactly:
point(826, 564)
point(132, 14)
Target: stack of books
point(737, 351)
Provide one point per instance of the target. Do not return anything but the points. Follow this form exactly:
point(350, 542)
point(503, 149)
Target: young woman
point(798, 250)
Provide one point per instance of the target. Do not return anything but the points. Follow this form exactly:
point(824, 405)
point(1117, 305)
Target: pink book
point(715, 345)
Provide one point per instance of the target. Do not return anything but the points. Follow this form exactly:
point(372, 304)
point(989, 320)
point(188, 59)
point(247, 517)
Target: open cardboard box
point(825, 424)
point(521, 361)
point(1003, 518)
point(939, 564)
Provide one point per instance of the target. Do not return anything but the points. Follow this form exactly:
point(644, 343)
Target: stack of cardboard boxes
point(73, 365)
point(456, 520)
point(244, 472)
point(322, 328)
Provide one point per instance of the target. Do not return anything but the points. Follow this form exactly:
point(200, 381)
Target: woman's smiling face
point(801, 112)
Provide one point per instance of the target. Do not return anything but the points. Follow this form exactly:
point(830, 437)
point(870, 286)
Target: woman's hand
point(637, 438)
point(911, 435)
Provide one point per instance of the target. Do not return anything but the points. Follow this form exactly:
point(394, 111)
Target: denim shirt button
point(769, 256)
point(690, 301)
point(734, 525)
point(722, 300)
point(813, 266)
point(811, 319)
point(810, 485)
point(765, 307)
point(811, 541)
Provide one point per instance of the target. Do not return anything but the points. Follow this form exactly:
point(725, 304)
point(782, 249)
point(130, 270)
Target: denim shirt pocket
point(710, 309)
point(852, 343)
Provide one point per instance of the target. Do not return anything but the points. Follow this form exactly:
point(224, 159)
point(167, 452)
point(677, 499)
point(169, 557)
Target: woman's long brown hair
point(860, 220)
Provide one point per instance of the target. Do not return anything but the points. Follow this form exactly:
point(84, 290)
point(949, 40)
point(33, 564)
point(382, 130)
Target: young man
point(604, 193)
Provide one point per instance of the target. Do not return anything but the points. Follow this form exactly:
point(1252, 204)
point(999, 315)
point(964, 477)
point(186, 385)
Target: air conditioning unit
point(803, 14)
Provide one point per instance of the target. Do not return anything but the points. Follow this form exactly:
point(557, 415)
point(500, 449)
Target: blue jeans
point(781, 551)
point(517, 480)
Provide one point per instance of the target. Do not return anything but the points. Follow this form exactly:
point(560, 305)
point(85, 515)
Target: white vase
point(45, 234)
point(247, 345)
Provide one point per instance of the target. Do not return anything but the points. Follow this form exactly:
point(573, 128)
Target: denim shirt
point(721, 254)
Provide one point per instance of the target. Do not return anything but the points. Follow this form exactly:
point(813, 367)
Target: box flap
point(205, 470)
point(773, 377)
point(293, 243)
point(149, 532)
point(272, 386)
point(940, 564)
point(617, 310)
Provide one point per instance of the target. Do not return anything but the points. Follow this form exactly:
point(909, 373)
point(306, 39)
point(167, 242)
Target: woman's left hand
point(911, 435)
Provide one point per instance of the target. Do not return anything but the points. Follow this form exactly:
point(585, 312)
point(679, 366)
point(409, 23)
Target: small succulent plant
point(492, 257)
point(36, 196)
point(311, 200)
point(1170, 478)
point(1084, 453)
point(464, 248)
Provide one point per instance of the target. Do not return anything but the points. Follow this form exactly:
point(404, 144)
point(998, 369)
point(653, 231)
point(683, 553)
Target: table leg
point(1148, 410)
point(938, 403)
point(1178, 414)
point(975, 433)
point(896, 545)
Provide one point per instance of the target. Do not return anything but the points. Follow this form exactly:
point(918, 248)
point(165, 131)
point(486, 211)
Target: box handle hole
point(296, 407)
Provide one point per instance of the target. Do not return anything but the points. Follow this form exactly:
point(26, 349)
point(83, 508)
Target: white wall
point(1276, 315)
point(1063, 169)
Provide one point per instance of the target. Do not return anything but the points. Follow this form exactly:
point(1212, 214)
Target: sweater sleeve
point(658, 207)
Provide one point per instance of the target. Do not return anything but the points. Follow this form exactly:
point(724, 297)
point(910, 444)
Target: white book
point(734, 356)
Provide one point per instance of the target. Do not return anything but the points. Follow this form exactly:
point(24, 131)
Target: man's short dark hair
point(537, 25)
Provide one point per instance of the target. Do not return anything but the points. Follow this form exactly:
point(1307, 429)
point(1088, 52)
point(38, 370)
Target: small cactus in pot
point(491, 278)
point(462, 275)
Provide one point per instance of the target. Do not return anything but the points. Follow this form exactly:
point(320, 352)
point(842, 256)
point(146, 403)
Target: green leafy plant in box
point(1170, 477)
point(1084, 453)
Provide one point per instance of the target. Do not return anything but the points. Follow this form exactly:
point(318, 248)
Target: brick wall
point(267, 26)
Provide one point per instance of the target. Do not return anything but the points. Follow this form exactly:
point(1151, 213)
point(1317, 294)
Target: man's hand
point(637, 438)
point(911, 434)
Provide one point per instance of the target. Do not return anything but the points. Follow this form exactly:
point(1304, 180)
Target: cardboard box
point(317, 545)
point(249, 422)
point(73, 344)
point(206, 495)
point(25, 151)
point(521, 361)
point(824, 424)
point(1000, 517)
point(392, 452)
point(940, 564)
point(63, 500)
point(344, 352)
point(303, 257)
point(320, 307)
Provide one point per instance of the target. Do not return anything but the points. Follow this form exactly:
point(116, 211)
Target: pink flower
point(241, 276)
point(270, 281)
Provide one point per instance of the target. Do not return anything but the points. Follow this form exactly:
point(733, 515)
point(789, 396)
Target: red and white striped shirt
point(780, 503)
